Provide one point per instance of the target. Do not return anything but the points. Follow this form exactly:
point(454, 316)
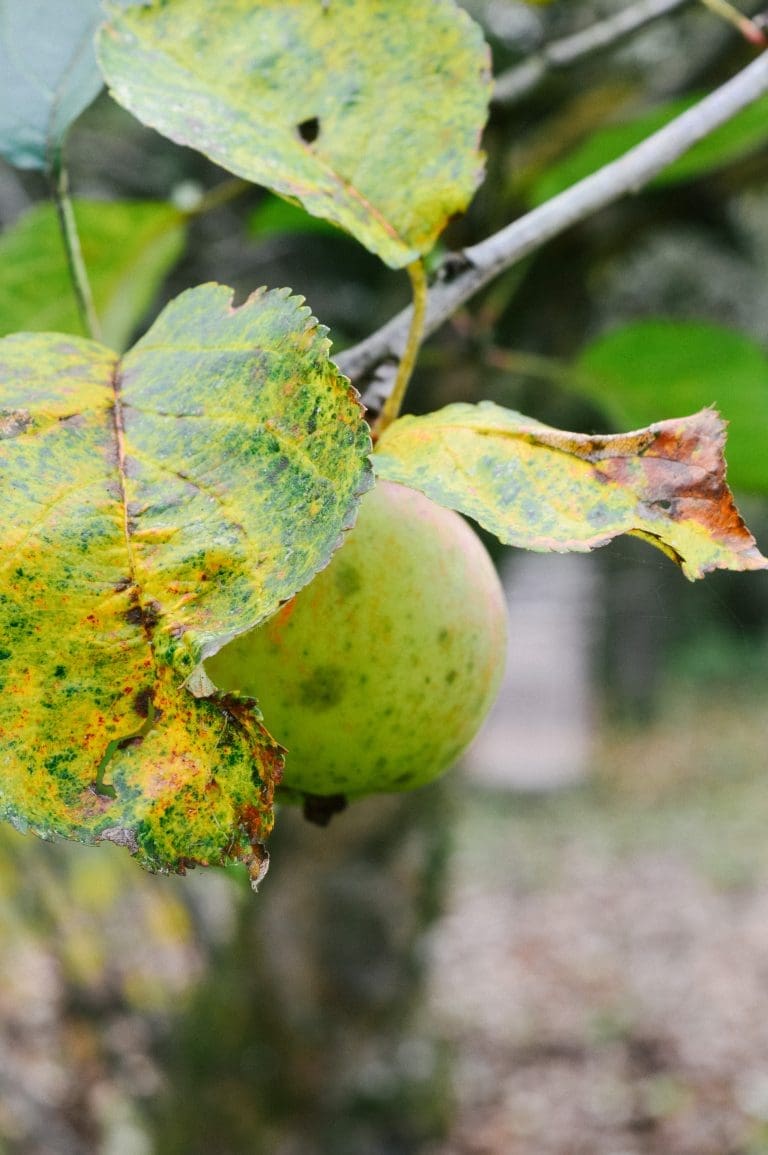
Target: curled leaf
point(544, 489)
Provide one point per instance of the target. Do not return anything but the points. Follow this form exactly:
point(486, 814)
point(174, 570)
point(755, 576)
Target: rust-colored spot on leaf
point(546, 489)
point(107, 528)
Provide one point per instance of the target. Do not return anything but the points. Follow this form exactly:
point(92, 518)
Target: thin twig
point(78, 273)
point(517, 82)
point(481, 263)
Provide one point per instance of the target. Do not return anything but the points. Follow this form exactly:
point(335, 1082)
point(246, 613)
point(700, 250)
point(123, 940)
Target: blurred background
point(562, 947)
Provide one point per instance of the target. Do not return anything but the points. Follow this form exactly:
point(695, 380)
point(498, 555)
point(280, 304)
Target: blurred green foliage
point(650, 367)
point(746, 133)
point(129, 248)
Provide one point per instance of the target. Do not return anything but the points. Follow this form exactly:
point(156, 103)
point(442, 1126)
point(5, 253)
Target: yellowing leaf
point(155, 507)
point(367, 112)
point(544, 489)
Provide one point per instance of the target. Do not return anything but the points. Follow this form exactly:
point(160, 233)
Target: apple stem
point(418, 274)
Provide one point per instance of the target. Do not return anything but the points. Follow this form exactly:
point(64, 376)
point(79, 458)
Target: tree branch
point(516, 83)
point(481, 263)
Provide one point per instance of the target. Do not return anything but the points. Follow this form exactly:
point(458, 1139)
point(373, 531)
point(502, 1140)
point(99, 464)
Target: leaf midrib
point(118, 429)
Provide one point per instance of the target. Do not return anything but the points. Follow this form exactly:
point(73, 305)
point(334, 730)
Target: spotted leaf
point(544, 489)
point(156, 506)
point(366, 112)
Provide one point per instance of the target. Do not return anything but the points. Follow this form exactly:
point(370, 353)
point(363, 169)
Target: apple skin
point(378, 674)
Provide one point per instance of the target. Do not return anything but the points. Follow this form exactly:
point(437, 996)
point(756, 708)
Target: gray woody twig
point(481, 263)
point(519, 81)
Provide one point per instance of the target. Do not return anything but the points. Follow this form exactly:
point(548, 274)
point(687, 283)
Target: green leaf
point(277, 217)
point(48, 75)
point(679, 366)
point(155, 507)
point(544, 489)
point(742, 135)
point(128, 247)
point(367, 112)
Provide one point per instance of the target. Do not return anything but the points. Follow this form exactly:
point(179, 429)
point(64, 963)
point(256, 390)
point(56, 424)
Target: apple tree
point(166, 503)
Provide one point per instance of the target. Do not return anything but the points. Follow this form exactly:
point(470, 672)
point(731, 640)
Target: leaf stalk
point(78, 273)
point(420, 288)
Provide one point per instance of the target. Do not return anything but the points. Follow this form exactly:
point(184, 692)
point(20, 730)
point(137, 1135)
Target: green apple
point(377, 675)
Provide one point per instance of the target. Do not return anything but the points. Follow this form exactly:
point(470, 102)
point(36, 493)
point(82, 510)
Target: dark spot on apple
point(347, 579)
point(324, 689)
point(151, 614)
point(121, 836)
point(14, 421)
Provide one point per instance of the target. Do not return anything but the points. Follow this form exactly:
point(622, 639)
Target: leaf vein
point(10, 558)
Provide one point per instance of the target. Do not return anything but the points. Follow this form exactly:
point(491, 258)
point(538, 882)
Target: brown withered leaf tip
point(546, 489)
point(684, 470)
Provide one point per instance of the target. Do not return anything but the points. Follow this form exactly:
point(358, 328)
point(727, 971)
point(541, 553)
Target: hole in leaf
point(309, 130)
point(146, 708)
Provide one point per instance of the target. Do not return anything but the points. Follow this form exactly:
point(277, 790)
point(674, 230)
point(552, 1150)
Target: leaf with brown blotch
point(544, 489)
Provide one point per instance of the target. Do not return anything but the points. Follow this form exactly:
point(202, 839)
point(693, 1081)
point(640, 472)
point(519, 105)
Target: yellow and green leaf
point(154, 507)
point(544, 489)
point(367, 112)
